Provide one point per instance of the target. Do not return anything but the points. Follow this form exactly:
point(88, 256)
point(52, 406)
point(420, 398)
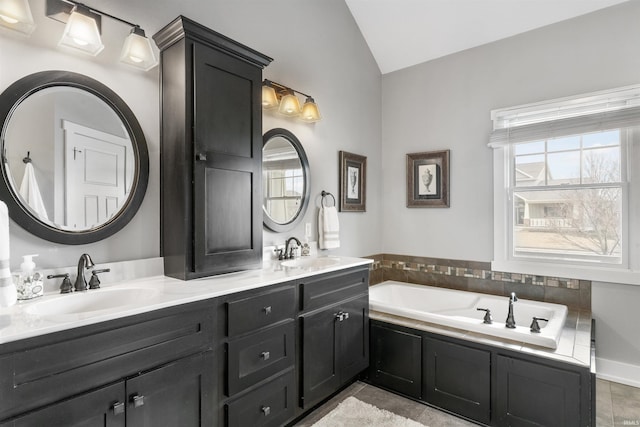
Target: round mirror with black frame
point(75, 163)
point(285, 180)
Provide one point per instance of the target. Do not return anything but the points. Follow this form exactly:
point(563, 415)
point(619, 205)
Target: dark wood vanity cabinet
point(334, 333)
point(256, 340)
point(150, 369)
point(211, 151)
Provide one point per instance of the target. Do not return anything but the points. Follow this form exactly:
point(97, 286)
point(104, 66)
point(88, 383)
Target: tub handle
point(487, 315)
point(535, 328)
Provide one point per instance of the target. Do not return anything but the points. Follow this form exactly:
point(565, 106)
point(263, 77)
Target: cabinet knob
point(202, 157)
point(340, 316)
point(137, 400)
point(117, 408)
point(265, 410)
point(265, 355)
point(267, 310)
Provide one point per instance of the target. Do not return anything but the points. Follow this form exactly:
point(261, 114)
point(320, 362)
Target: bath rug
point(352, 412)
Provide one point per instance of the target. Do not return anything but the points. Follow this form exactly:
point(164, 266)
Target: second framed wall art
point(353, 182)
point(428, 179)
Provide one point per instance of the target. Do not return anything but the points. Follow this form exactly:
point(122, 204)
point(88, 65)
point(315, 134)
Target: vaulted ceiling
point(402, 33)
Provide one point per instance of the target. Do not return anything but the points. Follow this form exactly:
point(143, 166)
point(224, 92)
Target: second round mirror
point(285, 180)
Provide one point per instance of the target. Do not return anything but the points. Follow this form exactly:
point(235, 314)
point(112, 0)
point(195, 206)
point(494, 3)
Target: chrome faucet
point(84, 263)
point(288, 252)
point(511, 322)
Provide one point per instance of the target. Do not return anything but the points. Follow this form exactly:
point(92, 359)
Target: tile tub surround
point(477, 276)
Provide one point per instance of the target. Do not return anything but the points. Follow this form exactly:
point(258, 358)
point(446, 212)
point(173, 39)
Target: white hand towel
point(328, 228)
point(8, 293)
point(30, 192)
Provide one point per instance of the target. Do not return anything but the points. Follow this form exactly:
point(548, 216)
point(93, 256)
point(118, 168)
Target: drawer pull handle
point(267, 310)
point(117, 408)
point(265, 355)
point(137, 400)
point(202, 157)
point(342, 316)
point(265, 410)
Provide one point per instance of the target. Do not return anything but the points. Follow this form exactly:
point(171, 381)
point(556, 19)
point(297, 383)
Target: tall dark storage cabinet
point(211, 151)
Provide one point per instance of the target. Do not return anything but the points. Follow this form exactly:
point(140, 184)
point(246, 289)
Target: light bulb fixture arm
point(61, 9)
point(282, 89)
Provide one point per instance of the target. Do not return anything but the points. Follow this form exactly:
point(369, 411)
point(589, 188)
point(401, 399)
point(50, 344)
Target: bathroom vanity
point(259, 348)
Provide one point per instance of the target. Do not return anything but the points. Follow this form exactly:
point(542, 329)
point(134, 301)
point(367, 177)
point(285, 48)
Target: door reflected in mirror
point(80, 157)
point(285, 180)
point(75, 163)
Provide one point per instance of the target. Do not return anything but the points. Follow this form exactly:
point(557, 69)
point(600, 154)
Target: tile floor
point(616, 405)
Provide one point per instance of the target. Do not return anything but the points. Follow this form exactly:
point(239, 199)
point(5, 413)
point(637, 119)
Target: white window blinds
point(614, 109)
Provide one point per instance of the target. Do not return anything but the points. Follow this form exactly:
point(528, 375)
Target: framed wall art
point(353, 182)
point(428, 179)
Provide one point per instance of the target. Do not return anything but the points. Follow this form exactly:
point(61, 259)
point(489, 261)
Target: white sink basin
point(91, 302)
point(311, 263)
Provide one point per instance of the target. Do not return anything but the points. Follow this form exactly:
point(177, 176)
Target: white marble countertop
point(44, 315)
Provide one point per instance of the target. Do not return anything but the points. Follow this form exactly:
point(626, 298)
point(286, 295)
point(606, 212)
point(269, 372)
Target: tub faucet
point(511, 322)
point(288, 252)
point(84, 263)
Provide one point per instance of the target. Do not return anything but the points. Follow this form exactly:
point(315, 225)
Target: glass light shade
point(81, 33)
point(310, 112)
point(16, 15)
point(138, 51)
point(269, 97)
point(289, 105)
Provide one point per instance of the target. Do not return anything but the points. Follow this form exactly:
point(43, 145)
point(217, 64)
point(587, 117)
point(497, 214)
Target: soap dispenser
point(28, 281)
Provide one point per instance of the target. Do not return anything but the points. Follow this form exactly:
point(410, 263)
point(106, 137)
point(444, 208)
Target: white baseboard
point(619, 372)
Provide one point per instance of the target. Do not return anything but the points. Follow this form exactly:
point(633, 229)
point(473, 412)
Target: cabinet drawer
point(258, 356)
point(257, 311)
point(269, 405)
point(320, 291)
point(88, 357)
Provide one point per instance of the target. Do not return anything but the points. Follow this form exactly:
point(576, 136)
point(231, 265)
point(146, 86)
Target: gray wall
point(317, 48)
point(445, 104)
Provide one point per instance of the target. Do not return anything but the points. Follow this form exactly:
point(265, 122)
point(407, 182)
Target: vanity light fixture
point(278, 95)
point(82, 32)
point(16, 15)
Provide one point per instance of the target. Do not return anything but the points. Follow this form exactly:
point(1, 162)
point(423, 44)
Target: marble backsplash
point(478, 277)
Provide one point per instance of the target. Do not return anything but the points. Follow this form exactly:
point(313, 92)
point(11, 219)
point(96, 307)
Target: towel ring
point(325, 194)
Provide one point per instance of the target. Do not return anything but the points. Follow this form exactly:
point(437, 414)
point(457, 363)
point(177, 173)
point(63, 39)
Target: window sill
point(596, 274)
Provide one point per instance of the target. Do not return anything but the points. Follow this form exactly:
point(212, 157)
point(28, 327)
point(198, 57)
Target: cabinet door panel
point(530, 394)
point(320, 375)
point(396, 360)
point(92, 409)
point(458, 378)
point(178, 394)
point(227, 213)
point(354, 338)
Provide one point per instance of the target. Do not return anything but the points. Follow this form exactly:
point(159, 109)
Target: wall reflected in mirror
point(80, 153)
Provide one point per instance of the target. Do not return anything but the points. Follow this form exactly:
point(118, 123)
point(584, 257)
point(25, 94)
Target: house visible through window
point(565, 202)
point(567, 197)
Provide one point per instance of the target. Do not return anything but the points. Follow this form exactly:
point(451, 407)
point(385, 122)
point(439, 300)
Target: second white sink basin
point(91, 301)
point(311, 263)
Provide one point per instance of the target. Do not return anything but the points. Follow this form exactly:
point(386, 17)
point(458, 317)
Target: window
point(564, 200)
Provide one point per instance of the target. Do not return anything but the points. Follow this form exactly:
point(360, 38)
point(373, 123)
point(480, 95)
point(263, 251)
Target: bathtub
point(457, 309)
